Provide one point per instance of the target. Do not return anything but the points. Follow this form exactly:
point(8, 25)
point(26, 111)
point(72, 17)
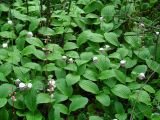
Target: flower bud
point(52, 96)
point(141, 76)
point(13, 98)
point(70, 60)
point(17, 82)
point(101, 50)
point(95, 59)
point(123, 63)
point(157, 33)
point(64, 57)
point(5, 45)
point(52, 82)
point(142, 25)
point(29, 85)
point(101, 18)
point(10, 22)
point(107, 47)
point(29, 34)
point(22, 86)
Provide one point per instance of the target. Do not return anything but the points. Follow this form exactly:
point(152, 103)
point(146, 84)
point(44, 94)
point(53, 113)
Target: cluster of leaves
point(98, 89)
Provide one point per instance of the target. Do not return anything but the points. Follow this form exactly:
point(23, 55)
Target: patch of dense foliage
point(79, 60)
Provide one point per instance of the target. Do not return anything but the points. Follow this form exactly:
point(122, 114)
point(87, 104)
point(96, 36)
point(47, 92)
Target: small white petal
point(95, 58)
point(64, 57)
point(29, 34)
point(101, 49)
point(29, 85)
point(18, 81)
point(22, 85)
point(5, 45)
point(10, 22)
point(123, 63)
point(70, 60)
point(52, 82)
point(141, 76)
point(142, 25)
point(157, 33)
point(101, 18)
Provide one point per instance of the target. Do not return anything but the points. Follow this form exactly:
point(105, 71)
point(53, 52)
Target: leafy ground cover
point(79, 60)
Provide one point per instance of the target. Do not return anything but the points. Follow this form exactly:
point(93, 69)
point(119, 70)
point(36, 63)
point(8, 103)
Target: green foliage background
point(85, 89)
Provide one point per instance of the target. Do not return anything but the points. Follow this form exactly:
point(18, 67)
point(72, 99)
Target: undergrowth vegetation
point(79, 60)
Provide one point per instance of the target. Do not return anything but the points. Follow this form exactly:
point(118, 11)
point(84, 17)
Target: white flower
point(5, 45)
point(22, 85)
point(52, 96)
point(18, 81)
point(101, 18)
point(10, 22)
point(29, 34)
point(123, 63)
point(95, 59)
point(13, 98)
point(64, 57)
point(115, 119)
point(141, 76)
point(157, 33)
point(29, 85)
point(107, 47)
point(51, 89)
point(70, 60)
point(101, 50)
point(52, 82)
point(142, 25)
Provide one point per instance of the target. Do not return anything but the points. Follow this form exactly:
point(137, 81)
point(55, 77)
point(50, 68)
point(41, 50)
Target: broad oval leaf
point(103, 99)
point(77, 102)
point(121, 91)
point(89, 86)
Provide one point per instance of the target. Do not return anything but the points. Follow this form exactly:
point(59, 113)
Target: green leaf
point(2, 77)
point(121, 91)
point(35, 41)
point(108, 12)
point(103, 62)
point(119, 107)
point(40, 54)
point(143, 53)
point(106, 74)
point(6, 89)
point(153, 65)
point(50, 67)
point(95, 118)
point(43, 98)
point(4, 114)
point(133, 39)
point(3, 102)
point(30, 100)
point(34, 24)
point(71, 79)
point(112, 38)
point(88, 35)
point(82, 101)
point(7, 34)
point(3, 7)
point(30, 49)
point(63, 87)
point(6, 68)
point(91, 6)
point(90, 75)
point(86, 55)
point(72, 54)
point(142, 96)
point(103, 99)
point(106, 27)
point(71, 67)
point(148, 88)
point(18, 15)
point(89, 86)
point(33, 66)
point(46, 31)
point(120, 76)
point(70, 46)
point(33, 116)
point(61, 108)
point(54, 56)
